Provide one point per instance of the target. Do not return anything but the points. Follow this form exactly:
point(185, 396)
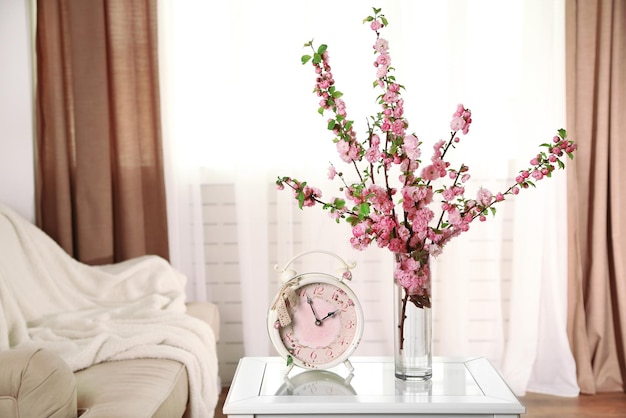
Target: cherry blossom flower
point(331, 172)
point(381, 46)
point(411, 147)
point(484, 196)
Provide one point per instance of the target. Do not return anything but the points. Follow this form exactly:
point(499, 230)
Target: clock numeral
point(338, 294)
point(349, 324)
point(319, 289)
point(313, 355)
point(329, 353)
point(298, 350)
point(346, 305)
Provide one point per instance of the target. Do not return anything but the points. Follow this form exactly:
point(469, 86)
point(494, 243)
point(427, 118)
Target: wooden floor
point(546, 406)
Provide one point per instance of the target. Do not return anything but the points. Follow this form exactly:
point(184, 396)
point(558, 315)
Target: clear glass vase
point(413, 324)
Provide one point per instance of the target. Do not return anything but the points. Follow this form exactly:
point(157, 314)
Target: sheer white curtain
point(239, 105)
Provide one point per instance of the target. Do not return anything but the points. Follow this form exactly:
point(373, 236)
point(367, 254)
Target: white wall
point(17, 187)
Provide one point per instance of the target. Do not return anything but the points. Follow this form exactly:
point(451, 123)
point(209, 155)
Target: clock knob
point(287, 275)
point(345, 273)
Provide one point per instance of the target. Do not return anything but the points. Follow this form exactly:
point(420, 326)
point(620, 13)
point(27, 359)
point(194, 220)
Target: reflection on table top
point(371, 377)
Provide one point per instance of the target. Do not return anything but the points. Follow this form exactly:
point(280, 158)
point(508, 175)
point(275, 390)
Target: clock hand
point(310, 302)
point(330, 315)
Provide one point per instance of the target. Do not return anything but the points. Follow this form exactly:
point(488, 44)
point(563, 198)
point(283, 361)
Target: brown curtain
point(596, 120)
point(100, 184)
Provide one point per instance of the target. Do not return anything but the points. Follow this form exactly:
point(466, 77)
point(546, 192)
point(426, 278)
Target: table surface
point(459, 386)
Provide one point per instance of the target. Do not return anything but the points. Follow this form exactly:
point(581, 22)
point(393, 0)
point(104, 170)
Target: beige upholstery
point(133, 388)
point(36, 384)
point(208, 312)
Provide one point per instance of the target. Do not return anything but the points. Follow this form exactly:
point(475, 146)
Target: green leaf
point(300, 195)
point(340, 203)
point(289, 360)
point(305, 59)
point(331, 124)
point(562, 133)
point(321, 111)
point(317, 58)
point(368, 19)
point(384, 20)
point(561, 164)
point(493, 211)
point(364, 210)
point(337, 94)
point(322, 49)
point(300, 198)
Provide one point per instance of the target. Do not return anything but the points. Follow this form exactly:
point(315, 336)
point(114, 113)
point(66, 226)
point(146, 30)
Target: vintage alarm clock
point(315, 320)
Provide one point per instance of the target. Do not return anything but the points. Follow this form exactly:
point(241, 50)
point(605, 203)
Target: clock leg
point(348, 366)
point(286, 370)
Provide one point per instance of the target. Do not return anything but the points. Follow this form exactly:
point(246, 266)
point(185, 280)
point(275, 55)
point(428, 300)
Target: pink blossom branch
point(373, 216)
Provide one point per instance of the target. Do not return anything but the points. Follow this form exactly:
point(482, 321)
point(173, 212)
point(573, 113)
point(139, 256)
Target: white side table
point(465, 387)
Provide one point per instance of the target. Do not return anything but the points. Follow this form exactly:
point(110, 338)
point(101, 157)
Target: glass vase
point(412, 319)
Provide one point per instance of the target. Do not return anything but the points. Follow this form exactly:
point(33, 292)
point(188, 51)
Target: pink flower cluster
point(461, 120)
point(403, 217)
point(544, 164)
point(413, 275)
point(306, 195)
point(348, 147)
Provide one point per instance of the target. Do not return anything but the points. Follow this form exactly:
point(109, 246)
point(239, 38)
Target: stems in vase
point(405, 299)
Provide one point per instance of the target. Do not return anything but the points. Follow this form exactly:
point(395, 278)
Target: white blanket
point(87, 315)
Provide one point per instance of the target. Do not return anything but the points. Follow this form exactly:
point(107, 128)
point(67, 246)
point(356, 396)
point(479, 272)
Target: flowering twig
point(370, 207)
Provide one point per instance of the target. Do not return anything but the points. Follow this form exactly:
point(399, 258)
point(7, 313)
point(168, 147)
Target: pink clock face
point(324, 324)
